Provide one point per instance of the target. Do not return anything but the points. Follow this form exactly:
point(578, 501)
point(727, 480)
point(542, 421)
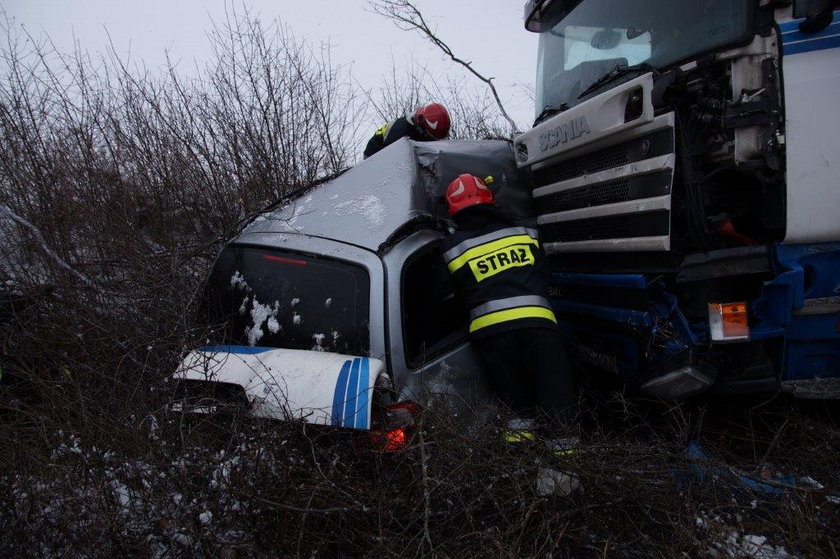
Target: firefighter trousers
point(530, 373)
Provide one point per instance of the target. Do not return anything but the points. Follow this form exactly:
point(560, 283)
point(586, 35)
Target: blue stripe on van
point(351, 395)
point(339, 395)
point(362, 404)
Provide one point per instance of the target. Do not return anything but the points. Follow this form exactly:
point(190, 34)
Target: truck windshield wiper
point(614, 73)
point(550, 110)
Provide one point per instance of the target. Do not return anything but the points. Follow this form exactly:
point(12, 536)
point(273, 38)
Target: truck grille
point(604, 193)
point(598, 161)
point(590, 196)
point(609, 192)
point(651, 145)
point(613, 227)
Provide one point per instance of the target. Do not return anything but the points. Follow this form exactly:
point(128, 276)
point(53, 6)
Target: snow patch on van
point(263, 314)
point(370, 207)
point(260, 313)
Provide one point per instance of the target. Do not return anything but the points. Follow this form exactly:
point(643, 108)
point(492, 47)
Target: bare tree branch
point(409, 18)
point(42, 243)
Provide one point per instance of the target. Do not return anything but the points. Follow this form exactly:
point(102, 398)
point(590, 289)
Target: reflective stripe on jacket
point(494, 252)
point(388, 133)
point(501, 271)
point(512, 308)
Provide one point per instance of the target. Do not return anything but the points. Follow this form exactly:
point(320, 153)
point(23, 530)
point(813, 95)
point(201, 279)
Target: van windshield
point(581, 42)
point(282, 299)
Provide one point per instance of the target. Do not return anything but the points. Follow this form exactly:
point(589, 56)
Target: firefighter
point(427, 123)
point(500, 272)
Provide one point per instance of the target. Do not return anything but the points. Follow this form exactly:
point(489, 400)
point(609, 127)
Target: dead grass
point(154, 485)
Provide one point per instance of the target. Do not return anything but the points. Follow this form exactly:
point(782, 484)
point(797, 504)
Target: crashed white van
point(337, 307)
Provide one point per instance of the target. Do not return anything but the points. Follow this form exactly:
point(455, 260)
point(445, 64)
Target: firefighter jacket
point(500, 271)
point(389, 133)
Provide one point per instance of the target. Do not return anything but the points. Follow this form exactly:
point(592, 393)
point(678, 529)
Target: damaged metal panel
point(441, 162)
point(404, 182)
point(361, 207)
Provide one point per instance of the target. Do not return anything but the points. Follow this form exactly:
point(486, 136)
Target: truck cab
point(337, 307)
point(687, 189)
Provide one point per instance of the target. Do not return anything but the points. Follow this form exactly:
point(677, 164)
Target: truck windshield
point(580, 45)
point(282, 299)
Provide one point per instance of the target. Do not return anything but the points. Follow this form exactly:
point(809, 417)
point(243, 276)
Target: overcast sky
point(489, 33)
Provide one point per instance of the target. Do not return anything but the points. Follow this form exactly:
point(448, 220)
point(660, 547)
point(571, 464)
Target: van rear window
point(283, 299)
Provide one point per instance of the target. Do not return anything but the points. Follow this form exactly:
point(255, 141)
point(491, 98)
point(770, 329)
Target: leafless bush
point(117, 188)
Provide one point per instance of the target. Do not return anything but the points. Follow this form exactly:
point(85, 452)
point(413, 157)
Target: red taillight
point(396, 427)
point(395, 440)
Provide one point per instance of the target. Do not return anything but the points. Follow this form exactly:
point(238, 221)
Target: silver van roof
point(368, 203)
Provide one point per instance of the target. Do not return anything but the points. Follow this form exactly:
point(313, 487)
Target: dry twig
point(409, 18)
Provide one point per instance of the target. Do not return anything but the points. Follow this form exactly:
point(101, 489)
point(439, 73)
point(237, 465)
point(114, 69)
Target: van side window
point(434, 319)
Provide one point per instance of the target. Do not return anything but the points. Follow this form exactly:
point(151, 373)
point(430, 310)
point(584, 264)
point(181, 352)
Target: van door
point(429, 340)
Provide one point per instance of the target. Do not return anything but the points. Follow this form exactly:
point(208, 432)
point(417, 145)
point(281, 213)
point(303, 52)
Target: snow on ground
point(184, 500)
point(748, 546)
point(735, 545)
point(131, 499)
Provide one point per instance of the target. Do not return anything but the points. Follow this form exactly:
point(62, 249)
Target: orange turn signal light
point(729, 321)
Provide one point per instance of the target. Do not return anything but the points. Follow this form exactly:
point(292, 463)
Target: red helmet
point(465, 191)
point(433, 119)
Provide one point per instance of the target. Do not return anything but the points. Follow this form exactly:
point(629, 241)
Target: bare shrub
point(117, 189)
point(408, 17)
point(247, 488)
